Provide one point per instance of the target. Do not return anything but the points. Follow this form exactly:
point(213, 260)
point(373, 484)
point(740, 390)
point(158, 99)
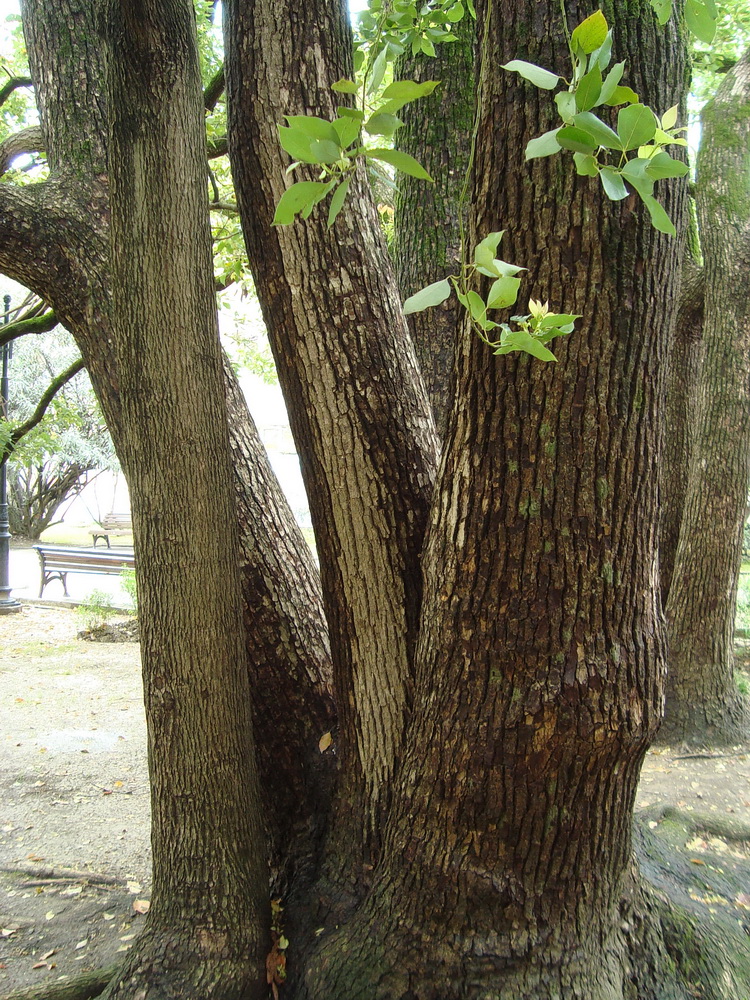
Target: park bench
point(57, 561)
point(112, 525)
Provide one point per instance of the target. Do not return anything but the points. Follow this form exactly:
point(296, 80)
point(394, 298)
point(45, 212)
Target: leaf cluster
point(531, 332)
point(599, 149)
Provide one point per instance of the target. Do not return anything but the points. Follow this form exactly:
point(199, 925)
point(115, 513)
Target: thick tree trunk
point(55, 240)
point(206, 932)
point(427, 239)
point(703, 703)
point(357, 406)
point(541, 653)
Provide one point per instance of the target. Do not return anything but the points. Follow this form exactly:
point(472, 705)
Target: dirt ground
point(74, 809)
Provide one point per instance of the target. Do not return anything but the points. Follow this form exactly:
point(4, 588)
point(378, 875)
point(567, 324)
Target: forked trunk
point(540, 661)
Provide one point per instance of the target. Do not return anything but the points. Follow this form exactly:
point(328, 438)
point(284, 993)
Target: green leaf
point(401, 161)
point(296, 199)
point(590, 33)
point(636, 125)
point(543, 145)
point(613, 184)
point(602, 134)
point(663, 9)
point(378, 71)
point(455, 13)
point(699, 21)
point(427, 297)
point(520, 340)
point(570, 137)
point(589, 89)
point(427, 47)
point(659, 217)
point(669, 118)
point(409, 90)
point(297, 144)
point(566, 105)
point(325, 151)
point(554, 320)
point(610, 84)
point(534, 74)
point(382, 124)
point(662, 165)
point(586, 165)
point(344, 86)
point(337, 201)
point(635, 173)
point(315, 128)
point(477, 308)
point(623, 95)
point(488, 245)
point(503, 293)
point(350, 113)
point(347, 130)
point(603, 55)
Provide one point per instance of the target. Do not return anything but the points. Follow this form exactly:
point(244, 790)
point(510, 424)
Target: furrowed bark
point(55, 240)
point(426, 236)
point(541, 655)
point(207, 929)
point(357, 406)
point(703, 703)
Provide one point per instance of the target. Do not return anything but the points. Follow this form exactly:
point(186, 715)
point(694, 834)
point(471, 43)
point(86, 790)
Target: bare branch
point(28, 140)
point(15, 83)
point(224, 206)
point(51, 391)
point(36, 324)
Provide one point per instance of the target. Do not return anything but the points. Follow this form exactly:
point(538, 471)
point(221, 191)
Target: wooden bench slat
point(58, 561)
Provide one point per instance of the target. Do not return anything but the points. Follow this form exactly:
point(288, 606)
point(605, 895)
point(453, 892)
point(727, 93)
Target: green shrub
point(96, 609)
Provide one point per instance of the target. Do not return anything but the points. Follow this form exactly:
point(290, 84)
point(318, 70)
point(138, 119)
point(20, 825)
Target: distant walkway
point(25, 578)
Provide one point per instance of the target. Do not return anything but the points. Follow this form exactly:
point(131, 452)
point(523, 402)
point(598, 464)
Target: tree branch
point(52, 390)
point(217, 147)
point(224, 206)
point(28, 140)
point(15, 83)
point(37, 324)
point(214, 90)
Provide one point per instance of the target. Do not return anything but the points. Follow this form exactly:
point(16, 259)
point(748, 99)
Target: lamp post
point(7, 603)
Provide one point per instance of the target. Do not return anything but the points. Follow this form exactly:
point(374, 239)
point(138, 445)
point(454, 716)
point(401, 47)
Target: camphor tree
point(496, 642)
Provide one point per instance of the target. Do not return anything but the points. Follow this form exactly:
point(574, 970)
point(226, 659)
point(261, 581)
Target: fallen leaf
point(6, 932)
point(82, 944)
point(39, 965)
point(127, 937)
point(34, 857)
point(49, 914)
point(325, 741)
point(108, 916)
point(124, 947)
point(141, 905)
point(74, 890)
point(134, 887)
point(49, 954)
point(697, 861)
point(118, 784)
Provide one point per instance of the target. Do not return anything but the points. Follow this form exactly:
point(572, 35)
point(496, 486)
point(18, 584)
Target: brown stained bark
point(55, 240)
point(703, 704)
point(357, 406)
point(206, 932)
point(427, 242)
point(685, 356)
point(541, 655)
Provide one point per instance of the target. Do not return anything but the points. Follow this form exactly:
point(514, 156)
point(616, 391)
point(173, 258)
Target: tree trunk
point(541, 653)
point(427, 233)
point(55, 240)
point(685, 357)
point(703, 703)
point(206, 930)
point(357, 406)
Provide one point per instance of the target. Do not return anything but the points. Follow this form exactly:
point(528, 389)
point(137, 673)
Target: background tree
point(52, 463)
point(703, 703)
